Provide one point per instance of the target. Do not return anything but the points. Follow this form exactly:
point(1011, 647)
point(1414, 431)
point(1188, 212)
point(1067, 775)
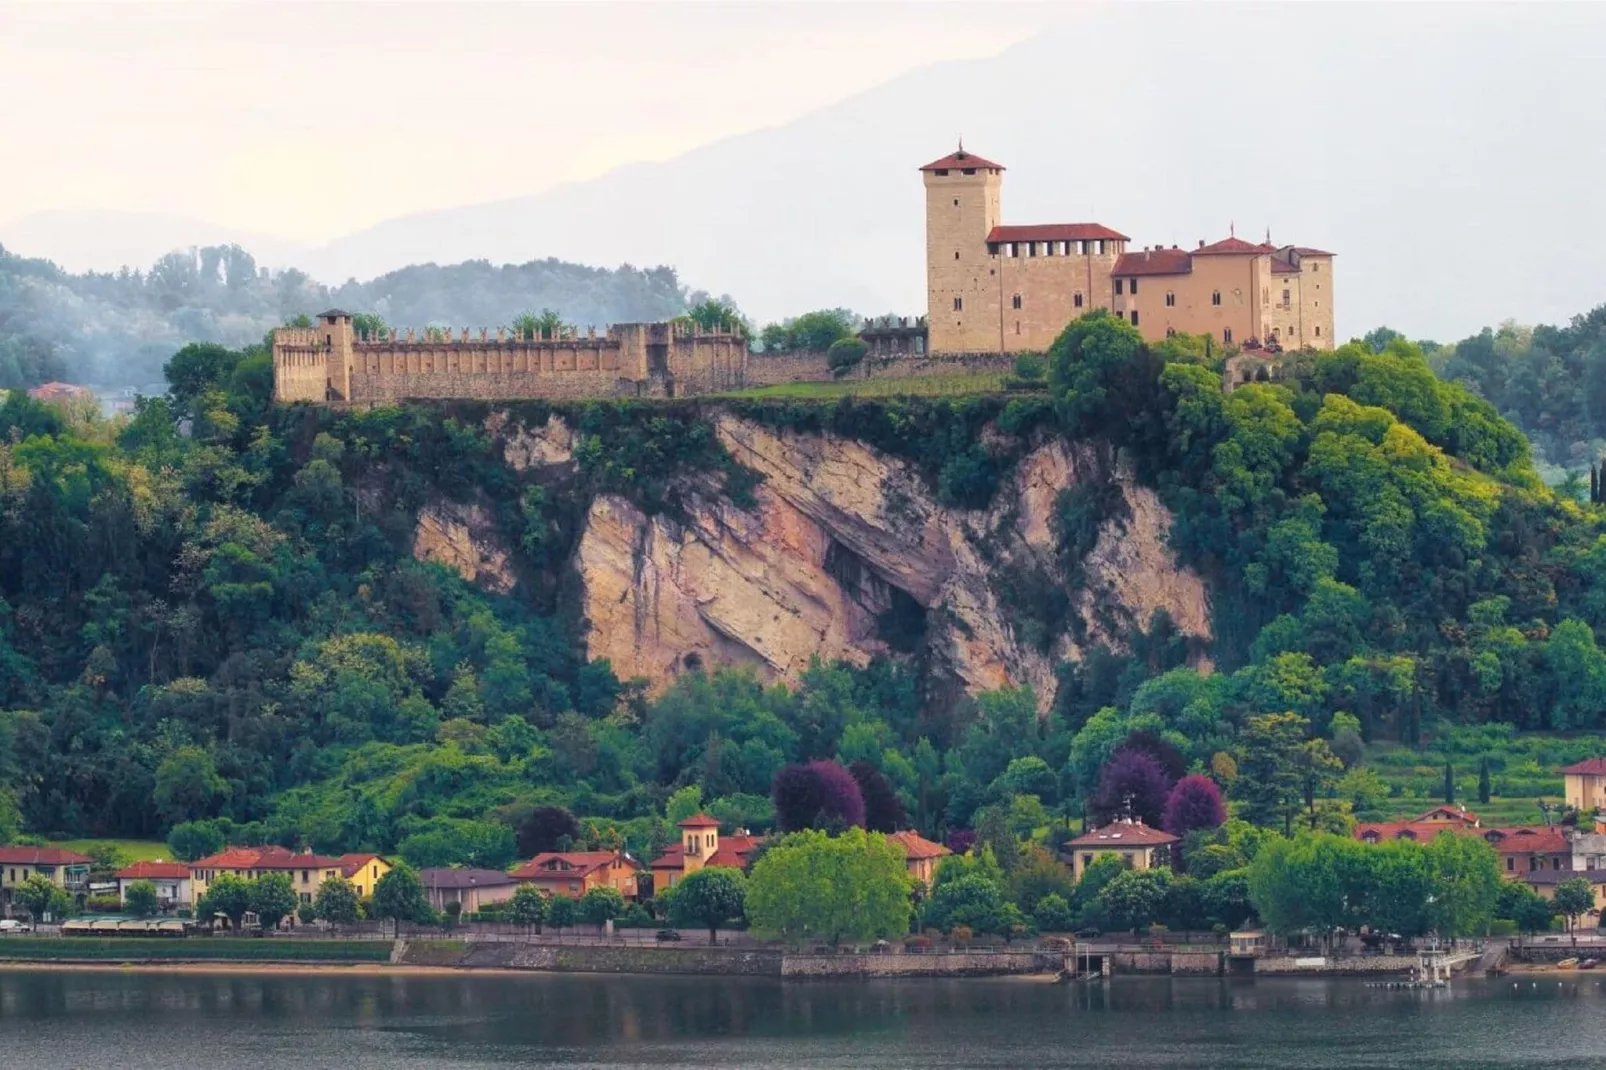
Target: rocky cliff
point(845, 552)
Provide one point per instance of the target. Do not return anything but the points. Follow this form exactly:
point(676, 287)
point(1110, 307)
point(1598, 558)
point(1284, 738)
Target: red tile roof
point(1122, 833)
point(916, 847)
point(958, 161)
point(552, 864)
point(1527, 839)
point(1448, 813)
point(1420, 831)
point(154, 870)
point(56, 391)
point(42, 856)
point(1305, 250)
point(672, 858)
point(1055, 232)
point(269, 856)
point(1233, 247)
point(1515, 839)
point(1154, 262)
point(699, 821)
point(1587, 767)
point(351, 864)
point(733, 851)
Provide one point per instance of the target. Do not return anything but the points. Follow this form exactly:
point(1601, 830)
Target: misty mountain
point(118, 329)
point(104, 240)
point(1448, 155)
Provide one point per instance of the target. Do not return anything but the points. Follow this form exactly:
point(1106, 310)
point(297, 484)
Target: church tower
point(962, 286)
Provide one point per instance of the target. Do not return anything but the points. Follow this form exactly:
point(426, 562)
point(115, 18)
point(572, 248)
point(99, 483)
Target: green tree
point(974, 902)
point(34, 895)
point(548, 324)
point(1484, 789)
point(528, 906)
point(1135, 898)
point(812, 886)
point(336, 901)
point(228, 895)
point(1280, 770)
point(1053, 914)
point(188, 786)
point(190, 840)
point(562, 912)
point(1524, 907)
point(273, 898)
point(139, 899)
point(845, 354)
point(399, 895)
point(601, 905)
point(1464, 872)
point(707, 899)
point(1449, 785)
point(1574, 898)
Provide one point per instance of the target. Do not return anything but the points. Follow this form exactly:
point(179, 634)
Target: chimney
point(1201, 243)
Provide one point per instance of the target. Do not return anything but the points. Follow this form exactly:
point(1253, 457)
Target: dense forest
point(209, 612)
point(117, 329)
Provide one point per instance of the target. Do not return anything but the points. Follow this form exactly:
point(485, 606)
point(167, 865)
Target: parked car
point(12, 925)
point(668, 935)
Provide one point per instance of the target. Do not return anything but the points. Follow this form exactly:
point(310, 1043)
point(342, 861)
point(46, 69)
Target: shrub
point(961, 935)
point(845, 355)
point(104, 904)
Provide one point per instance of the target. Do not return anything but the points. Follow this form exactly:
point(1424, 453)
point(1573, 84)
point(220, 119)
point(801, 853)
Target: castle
point(993, 290)
point(999, 288)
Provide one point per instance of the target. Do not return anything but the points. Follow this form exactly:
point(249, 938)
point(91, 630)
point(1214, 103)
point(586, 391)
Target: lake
point(395, 1022)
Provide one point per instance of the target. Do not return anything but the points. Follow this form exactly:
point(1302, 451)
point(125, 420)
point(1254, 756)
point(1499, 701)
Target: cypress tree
point(1594, 482)
point(1449, 785)
point(1483, 782)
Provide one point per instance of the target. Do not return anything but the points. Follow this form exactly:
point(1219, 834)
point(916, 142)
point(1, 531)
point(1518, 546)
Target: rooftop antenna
point(1232, 229)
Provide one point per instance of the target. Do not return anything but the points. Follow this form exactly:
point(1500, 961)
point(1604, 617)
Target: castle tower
point(336, 335)
point(699, 841)
point(962, 293)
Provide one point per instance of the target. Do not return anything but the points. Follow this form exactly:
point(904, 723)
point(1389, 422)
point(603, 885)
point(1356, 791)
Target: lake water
point(392, 1022)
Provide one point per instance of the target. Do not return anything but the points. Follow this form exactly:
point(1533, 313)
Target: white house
point(172, 881)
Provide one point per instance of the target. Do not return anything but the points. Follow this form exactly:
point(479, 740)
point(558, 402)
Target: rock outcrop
point(465, 539)
point(841, 538)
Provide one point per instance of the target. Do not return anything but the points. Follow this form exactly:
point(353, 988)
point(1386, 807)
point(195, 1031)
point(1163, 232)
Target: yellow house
point(920, 855)
point(1585, 784)
point(67, 870)
point(1140, 846)
point(307, 871)
point(700, 845)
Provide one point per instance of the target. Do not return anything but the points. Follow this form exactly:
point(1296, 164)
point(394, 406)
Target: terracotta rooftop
point(1449, 813)
point(917, 847)
point(154, 870)
point(1055, 232)
point(562, 863)
point(350, 864)
point(1587, 767)
point(42, 856)
point(1233, 246)
point(732, 852)
point(1154, 262)
point(959, 160)
point(1526, 839)
point(1305, 250)
point(699, 821)
point(268, 856)
point(1123, 833)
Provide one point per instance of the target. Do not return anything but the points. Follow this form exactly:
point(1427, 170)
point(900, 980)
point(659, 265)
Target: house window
point(1126, 856)
point(1285, 296)
point(1170, 299)
point(1134, 317)
point(305, 877)
point(1133, 286)
point(1077, 300)
point(306, 897)
point(1226, 334)
point(959, 304)
point(941, 171)
point(1087, 860)
point(1215, 297)
point(1118, 287)
point(1314, 268)
point(1015, 301)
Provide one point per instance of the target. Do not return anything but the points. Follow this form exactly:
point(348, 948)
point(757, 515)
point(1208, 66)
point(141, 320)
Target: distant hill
point(1449, 158)
point(116, 330)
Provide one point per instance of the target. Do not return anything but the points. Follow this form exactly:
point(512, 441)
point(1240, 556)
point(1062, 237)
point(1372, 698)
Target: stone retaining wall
point(947, 964)
point(1317, 965)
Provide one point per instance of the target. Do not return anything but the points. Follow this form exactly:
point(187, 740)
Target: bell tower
point(962, 208)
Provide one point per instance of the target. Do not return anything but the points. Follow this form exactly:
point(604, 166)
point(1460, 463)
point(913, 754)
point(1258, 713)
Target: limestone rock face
point(547, 446)
point(465, 539)
point(843, 537)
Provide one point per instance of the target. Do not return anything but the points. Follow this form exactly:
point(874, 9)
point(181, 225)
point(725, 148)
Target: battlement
point(333, 363)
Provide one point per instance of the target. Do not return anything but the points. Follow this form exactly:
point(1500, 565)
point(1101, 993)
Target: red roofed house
point(700, 845)
point(67, 870)
point(1585, 784)
point(306, 870)
point(574, 873)
point(999, 288)
point(1140, 846)
point(171, 880)
point(921, 855)
point(363, 871)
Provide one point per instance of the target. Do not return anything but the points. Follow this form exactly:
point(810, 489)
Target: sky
point(303, 120)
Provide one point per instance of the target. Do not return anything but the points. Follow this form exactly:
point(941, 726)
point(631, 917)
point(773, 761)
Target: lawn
point(133, 850)
point(922, 386)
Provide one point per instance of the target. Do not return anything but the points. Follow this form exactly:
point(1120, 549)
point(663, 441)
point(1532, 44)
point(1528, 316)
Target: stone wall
point(1327, 966)
point(943, 964)
point(500, 386)
point(810, 367)
point(771, 369)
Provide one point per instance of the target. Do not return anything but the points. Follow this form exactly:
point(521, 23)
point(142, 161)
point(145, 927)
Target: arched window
point(959, 304)
point(1226, 334)
point(1076, 300)
point(1170, 299)
point(1015, 301)
point(1215, 297)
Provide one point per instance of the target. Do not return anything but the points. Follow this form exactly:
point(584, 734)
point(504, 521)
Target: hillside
point(404, 628)
point(117, 330)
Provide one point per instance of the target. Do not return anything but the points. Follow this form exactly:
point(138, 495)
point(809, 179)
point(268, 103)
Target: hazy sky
point(309, 120)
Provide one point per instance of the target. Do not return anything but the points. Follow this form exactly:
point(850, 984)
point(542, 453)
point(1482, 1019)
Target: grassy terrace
point(954, 385)
point(191, 949)
point(132, 850)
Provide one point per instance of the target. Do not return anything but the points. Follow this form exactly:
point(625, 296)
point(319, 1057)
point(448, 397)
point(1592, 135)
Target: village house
point(170, 879)
point(67, 870)
point(1584, 785)
point(700, 845)
point(471, 889)
point(307, 871)
point(574, 873)
point(921, 855)
point(1140, 846)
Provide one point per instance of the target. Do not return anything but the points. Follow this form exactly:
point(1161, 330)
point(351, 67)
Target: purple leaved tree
point(1195, 803)
point(1131, 784)
point(821, 795)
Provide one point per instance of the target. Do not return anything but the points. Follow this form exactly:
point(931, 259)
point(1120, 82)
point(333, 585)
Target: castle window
point(956, 202)
point(1226, 334)
point(1015, 301)
point(1314, 268)
point(1077, 300)
point(1133, 286)
point(1170, 332)
point(1170, 299)
point(956, 254)
point(1017, 326)
point(1118, 287)
point(328, 339)
point(1318, 332)
point(1134, 317)
point(959, 304)
point(1215, 297)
